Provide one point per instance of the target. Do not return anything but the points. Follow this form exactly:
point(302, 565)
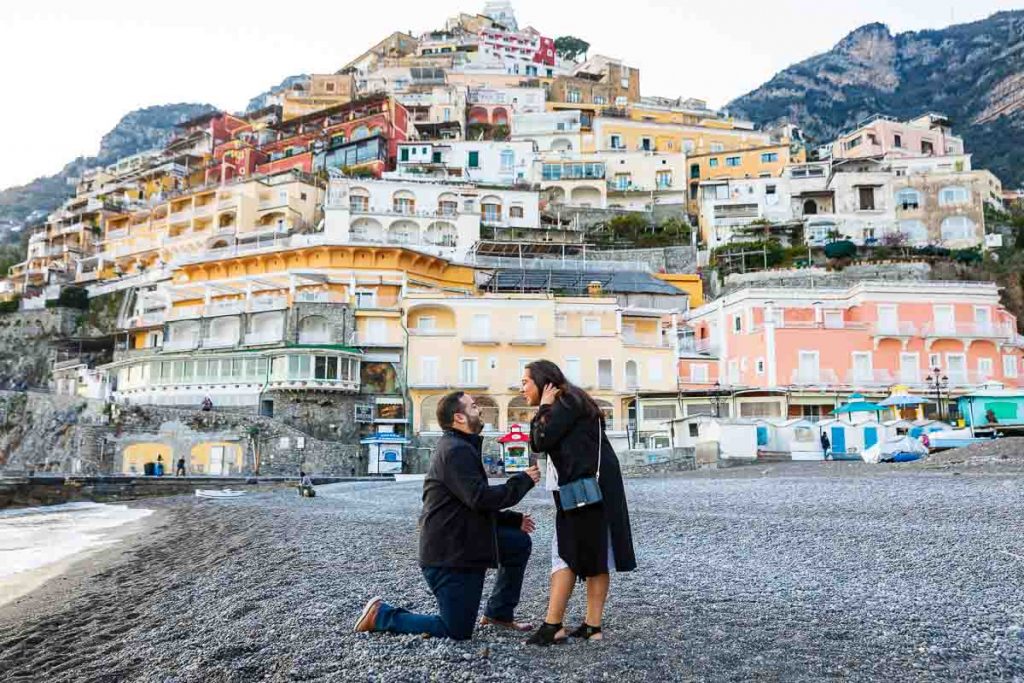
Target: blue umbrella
point(858, 407)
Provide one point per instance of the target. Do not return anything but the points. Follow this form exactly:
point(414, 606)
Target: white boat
point(218, 493)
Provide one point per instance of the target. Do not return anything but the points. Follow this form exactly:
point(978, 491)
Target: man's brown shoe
point(368, 618)
point(513, 625)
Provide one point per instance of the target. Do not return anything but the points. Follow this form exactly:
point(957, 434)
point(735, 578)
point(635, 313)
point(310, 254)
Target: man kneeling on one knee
point(464, 530)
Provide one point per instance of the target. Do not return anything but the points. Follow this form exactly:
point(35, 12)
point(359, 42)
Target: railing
point(186, 344)
point(879, 378)
point(147, 319)
point(431, 332)
point(260, 304)
point(898, 329)
point(224, 307)
point(271, 337)
point(366, 339)
point(180, 215)
point(413, 213)
point(219, 342)
point(992, 330)
point(821, 377)
point(319, 298)
point(706, 345)
point(646, 341)
point(315, 338)
point(480, 339)
point(528, 340)
point(185, 313)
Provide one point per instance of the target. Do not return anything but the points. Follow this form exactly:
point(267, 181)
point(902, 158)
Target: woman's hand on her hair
point(549, 395)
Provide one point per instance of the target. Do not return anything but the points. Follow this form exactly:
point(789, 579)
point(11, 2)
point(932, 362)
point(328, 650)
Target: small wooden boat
point(218, 493)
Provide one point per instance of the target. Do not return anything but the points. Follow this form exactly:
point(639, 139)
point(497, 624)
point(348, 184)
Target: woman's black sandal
point(585, 631)
point(545, 635)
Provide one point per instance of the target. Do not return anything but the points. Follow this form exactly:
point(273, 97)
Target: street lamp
point(717, 399)
point(939, 383)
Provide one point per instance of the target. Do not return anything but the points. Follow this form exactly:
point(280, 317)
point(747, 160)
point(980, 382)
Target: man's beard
point(475, 424)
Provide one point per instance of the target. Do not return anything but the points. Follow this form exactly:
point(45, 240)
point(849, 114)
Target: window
point(688, 146)
point(910, 372)
point(985, 369)
point(428, 370)
point(954, 195)
point(897, 141)
point(927, 147)
point(866, 198)
point(405, 205)
point(604, 373)
point(934, 361)
point(481, 327)
point(694, 171)
point(366, 299)
point(717, 147)
point(622, 181)
point(737, 323)
point(732, 161)
point(468, 371)
point(646, 144)
point(572, 370)
point(515, 212)
point(734, 372)
point(1009, 366)
point(662, 412)
point(862, 366)
point(663, 179)
point(474, 160)
point(916, 231)
point(699, 373)
point(508, 160)
point(908, 199)
point(573, 96)
point(833, 320)
point(615, 142)
point(769, 157)
point(561, 323)
point(527, 327)
point(808, 366)
point(957, 228)
point(693, 429)
point(713, 162)
point(403, 154)
point(591, 327)
point(759, 366)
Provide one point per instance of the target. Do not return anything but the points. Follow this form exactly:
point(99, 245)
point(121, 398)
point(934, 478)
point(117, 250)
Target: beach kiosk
point(799, 438)
point(515, 449)
point(384, 452)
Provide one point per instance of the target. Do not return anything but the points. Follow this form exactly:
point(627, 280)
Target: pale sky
point(70, 69)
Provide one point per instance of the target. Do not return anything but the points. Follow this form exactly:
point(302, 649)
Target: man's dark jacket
point(461, 512)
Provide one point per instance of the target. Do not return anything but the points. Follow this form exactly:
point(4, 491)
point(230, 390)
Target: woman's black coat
point(570, 439)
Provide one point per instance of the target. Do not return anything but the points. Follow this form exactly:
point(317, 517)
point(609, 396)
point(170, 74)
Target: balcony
point(268, 303)
point(896, 329)
point(219, 342)
point(528, 340)
point(376, 340)
point(819, 378)
point(431, 332)
point(449, 214)
point(646, 341)
point(232, 307)
point(185, 313)
point(1000, 331)
point(186, 344)
point(263, 337)
point(150, 319)
point(873, 378)
point(705, 346)
point(480, 340)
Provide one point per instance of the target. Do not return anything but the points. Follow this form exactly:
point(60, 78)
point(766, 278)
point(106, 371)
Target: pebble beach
point(799, 571)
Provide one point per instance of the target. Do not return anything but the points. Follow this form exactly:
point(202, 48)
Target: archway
point(366, 230)
point(313, 329)
point(810, 207)
point(519, 413)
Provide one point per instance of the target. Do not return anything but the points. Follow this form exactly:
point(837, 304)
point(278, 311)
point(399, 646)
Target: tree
point(571, 47)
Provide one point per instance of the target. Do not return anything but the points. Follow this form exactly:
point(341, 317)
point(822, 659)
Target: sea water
point(32, 540)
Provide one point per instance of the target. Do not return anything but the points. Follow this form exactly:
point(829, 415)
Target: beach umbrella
point(858, 407)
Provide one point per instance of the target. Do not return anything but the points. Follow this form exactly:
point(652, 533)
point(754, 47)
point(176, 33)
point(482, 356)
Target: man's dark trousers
point(459, 591)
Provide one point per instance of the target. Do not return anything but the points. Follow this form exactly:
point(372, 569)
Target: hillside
point(973, 73)
point(137, 131)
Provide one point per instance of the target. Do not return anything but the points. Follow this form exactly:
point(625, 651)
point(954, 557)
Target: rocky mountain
point(137, 131)
point(263, 99)
point(973, 73)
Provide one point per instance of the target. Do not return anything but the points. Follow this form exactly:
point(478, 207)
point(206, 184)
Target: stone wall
point(26, 355)
point(806, 278)
point(660, 259)
point(326, 415)
point(588, 218)
point(51, 433)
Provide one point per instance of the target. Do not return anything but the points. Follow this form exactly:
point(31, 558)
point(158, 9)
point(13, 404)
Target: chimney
point(594, 288)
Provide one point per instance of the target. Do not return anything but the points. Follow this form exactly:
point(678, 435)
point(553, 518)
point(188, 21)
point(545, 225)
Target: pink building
point(797, 351)
point(927, 135)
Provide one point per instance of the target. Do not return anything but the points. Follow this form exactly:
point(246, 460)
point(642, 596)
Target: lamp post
point(939, 383)
point(717, 399)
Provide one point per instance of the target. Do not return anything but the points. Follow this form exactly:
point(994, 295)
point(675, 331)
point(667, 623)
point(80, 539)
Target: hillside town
point(449, 206)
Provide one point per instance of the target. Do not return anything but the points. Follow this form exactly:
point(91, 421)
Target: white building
point(439, 218)
point(480, 161)
point(558, 131)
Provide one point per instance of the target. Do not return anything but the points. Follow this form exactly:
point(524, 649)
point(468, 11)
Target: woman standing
point(569, 427)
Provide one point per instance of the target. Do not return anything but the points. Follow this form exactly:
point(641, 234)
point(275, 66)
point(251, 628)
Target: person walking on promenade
point(465, 529)
point(826, 445)
point(179, 471)
point(306, 489)
point(594, 535)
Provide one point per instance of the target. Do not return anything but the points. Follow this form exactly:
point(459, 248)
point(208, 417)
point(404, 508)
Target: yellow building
point(231, 217)
point(762, 161)
point(622, 132)
point(480, 344)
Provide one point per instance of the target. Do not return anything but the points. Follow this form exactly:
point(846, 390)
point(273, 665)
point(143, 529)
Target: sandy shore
point(802, 572)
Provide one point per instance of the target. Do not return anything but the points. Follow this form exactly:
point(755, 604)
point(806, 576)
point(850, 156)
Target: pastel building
point(791, 352)
point(880, 135)
point(480, 161)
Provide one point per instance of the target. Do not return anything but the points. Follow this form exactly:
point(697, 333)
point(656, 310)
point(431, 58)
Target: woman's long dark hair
point(544, 372)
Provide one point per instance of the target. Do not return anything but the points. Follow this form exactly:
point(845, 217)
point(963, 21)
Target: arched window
point(313, 329)
point(441, 234)
point(632, 375)
point(810, 207)
point(359, 200)
point(958, 228)
point(953, 195)
point(608, 411)
point(488, 411)
point(490, 209)
point(916, 232)
point(366, 230)
point(428, 414)
point(403, 201)
point(360, 133)
point(403, 232)
point(447, 204)
point(908, 199)
point(508, 160)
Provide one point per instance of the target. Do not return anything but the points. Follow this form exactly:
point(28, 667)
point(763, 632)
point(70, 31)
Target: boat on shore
point(219, 493)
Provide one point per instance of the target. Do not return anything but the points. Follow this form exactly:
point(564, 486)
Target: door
point(481, 326)
point(983, 320)
point(216, 460)
point(762, 435)
point(870, 437)
point(888, 321)
point(909, 372)
point(839, 439)
point(956, 368)
point(808, 370)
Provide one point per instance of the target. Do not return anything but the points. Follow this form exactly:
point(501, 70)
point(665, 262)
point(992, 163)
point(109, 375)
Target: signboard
point(364, 412)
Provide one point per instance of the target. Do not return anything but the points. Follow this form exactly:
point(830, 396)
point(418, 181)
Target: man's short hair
point(447, 407)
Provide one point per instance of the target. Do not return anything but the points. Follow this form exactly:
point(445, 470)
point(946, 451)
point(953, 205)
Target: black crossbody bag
point(586, 491)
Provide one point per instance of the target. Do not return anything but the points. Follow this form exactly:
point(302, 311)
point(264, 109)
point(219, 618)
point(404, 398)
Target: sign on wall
point(364, 412)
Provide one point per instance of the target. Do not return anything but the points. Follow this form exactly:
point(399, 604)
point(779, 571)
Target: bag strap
point(600, 442)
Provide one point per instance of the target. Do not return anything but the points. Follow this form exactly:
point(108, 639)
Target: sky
point(69, 70)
